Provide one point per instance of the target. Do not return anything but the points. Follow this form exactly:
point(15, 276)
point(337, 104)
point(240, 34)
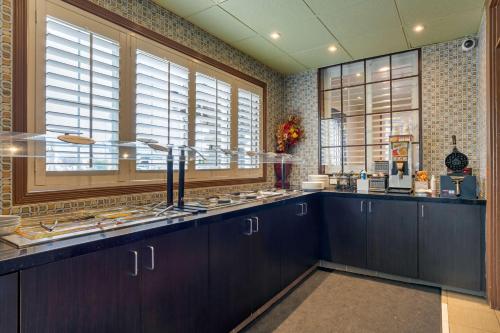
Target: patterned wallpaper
point(301, 98)
point(450, 89)
point(481, 103)
point(449, 93)
point(154, 17)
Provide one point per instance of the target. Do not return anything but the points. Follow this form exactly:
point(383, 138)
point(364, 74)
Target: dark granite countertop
point(409, 197)
point(14, 259)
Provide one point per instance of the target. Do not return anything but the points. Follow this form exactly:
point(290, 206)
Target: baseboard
point(362, 271)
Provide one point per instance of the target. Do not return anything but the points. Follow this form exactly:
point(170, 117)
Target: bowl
point(7, 230)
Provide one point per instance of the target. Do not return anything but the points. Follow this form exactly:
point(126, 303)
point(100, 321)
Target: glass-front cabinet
point(362, 103)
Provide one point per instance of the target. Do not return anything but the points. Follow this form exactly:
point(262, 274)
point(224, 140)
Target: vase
point(279, 176)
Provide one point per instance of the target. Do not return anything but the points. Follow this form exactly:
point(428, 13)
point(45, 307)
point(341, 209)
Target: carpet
point(344, 302)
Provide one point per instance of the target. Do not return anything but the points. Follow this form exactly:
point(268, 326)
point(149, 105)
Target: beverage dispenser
point(400, 164)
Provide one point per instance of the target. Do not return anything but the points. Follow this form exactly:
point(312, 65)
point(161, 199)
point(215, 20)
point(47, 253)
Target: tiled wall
point(301, 98)
point(449, 93)
point(154, 17)
point(449, 96)
point(481, 103)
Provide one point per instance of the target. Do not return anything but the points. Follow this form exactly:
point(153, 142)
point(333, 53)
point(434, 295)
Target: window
point(100, 80)
point(213, 121)
point(81, 96)
point(161, 107)
point(362, 103)
point(248, 127)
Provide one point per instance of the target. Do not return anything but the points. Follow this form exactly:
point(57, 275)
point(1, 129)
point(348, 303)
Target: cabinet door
point(229, 273)
point(175, 282)
point(96, 292)
point(450, 245)
point(344, 231)
point(265, 255)
point(299, 240)
point(8, 303)
point(392, 237)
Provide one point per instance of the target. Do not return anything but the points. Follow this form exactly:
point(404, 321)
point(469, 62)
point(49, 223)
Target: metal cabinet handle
point(301, 209)
point(423, 211)
point(151, 267)
point(135, 272)
point(256, 224)
point(250, 227)
point(369, 207)
point(362, 204)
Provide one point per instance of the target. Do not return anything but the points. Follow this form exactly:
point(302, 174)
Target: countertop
point(406, 197)
point(13, 259)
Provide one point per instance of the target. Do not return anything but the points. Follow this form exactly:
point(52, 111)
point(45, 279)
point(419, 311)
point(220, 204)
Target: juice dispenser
point(400, 164)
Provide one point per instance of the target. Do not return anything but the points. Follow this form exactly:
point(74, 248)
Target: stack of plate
point(8, 224)
point(312, 186)
point(325, 179)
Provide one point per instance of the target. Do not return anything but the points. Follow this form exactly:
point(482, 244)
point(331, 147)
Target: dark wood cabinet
point(265, 255)
point(229, 273)
point(343, 231)
point(9, 303)
point(299, 239)
point(96, 292)
point(175, 282)
point(392, 237)
point(253, 257)
point(156, 285)
point(451, 245)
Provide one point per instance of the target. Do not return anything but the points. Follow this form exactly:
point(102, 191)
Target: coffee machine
point(400, 164)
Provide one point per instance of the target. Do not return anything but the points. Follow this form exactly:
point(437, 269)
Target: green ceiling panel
point(358, 28)
point(185, 7)
point(358, 18)
point(321, 57)
point(445, 28)
point(264, 51)
point(303, 35)
point(219, 23)
point(266, 16)
point(416, 12)
point(375, 43)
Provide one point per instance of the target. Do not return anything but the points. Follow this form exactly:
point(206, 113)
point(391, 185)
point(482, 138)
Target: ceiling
point(357, 28)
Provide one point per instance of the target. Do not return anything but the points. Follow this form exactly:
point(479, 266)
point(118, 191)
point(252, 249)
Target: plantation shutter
point(161, 107)
point(248, 128)
point(213, 121)
point(81, 96)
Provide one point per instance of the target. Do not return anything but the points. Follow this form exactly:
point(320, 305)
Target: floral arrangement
point(289, 133)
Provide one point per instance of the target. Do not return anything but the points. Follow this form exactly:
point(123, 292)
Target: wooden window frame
point(21, 193)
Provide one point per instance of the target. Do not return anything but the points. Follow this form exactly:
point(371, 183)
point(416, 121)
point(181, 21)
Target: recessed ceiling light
point(275, 35)
point(332, 48)
point(418, 28)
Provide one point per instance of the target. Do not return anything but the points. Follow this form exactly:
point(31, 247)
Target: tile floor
point(468, 314)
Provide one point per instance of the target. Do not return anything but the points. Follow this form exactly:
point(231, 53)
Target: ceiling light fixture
point(332, 48)
point(383, 69)
point(275, 35)
point(358, 74)
point(418, 28)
